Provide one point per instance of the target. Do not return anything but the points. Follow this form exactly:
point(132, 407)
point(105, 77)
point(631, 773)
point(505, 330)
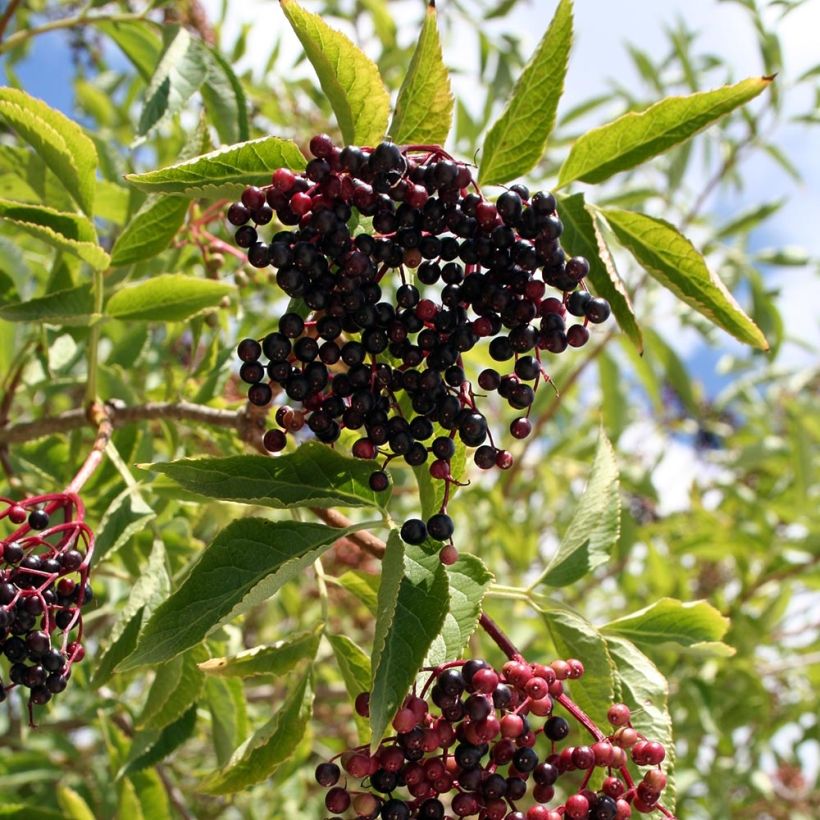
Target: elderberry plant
point(365, 528)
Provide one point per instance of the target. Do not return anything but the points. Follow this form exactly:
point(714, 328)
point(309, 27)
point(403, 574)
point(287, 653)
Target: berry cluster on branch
point(384, 355)
point(488, 743)
point(44, 565)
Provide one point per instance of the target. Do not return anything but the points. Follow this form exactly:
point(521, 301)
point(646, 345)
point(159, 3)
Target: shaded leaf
point(674, 262)
point(262, 754)
point(517, 139)
point(177, 685)
point(126, 515)
point(61, 143)
point(635, 137)
point(277, 659)
point(251, 558)
point(171, 297)
point(150, 747)
point(150, 230)
point(74, 306)
point(224, 172)
point(424, 109)
point(225, 99)
point(595, 526)
point(229, 721)
point(349, 78)
point(582, 237)
point(314, 475)
point(416, 619)
point(137, 40)
point(354, 665)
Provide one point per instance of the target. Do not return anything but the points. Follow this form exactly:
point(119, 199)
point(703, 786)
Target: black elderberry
point(525, 759)
point(597, 310)
point(556, 728)
point(413, 531)
point(38, 519)
point(440, 526)
point(238, 214)
point(245, 237)
point(379, 481)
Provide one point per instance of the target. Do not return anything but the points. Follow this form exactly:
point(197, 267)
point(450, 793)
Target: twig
point(120, 415)
point(367, 541)
point(7, 15)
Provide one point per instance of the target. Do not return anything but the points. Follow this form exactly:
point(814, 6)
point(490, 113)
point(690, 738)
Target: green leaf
point(229, 722)
point(582, 237)
point(150, 230)
point(349, 78)
point(635, 137)
point(644, 687)
point(251, 559)
point(277, 659)
point(152, 746)
point(177, 685)
point(152, 587)
point(225, 99)
point(60, 142)
point(363, 585)
point(313, 475)
point(171, 297)
point(674, 262)
point(74, 306)
point(595, 526)
point(354, 664)
point(468, 580)
point(261, 755)
point(669, 621)
point(181, 70)
point(72, 805)
point(138, 41)
point(517, 139)
point(424, 109)
point(574, 637)
point(126, 515)
point(224, 172)
point(417, 617)
point(69, 232)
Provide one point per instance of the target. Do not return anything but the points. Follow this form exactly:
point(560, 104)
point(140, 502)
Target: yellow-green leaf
point(424, 109)
point(61, 143)
point(150, 230)
point(517, 139)
point(349, 78)
point(171, 297)
point(674, 262)
point(637, 136)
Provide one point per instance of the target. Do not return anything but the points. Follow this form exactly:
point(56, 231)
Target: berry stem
point(499, 638)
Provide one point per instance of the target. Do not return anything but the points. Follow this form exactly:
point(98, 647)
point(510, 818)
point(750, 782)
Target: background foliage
point(153, 83)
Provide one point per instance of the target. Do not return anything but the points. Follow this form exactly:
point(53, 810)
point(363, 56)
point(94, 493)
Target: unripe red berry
point(577, 807)
point(618, 714)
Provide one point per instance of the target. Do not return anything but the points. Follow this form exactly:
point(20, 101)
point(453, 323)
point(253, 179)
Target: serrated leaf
point(224, 172)
point(171, 297)
point(127, 514)
point(424, 109)
point(582, 237)
point(181, 70)
point(277, 659)
point(313, 475)
point(669, 621)
point(229, 721)
point(177, 685)
point(643, 686)
point(137, 40)
point(637, 136)
point(468, 579)
point(262, 754)
point(417, 617)
point(245, 564)
point(60, 142)
point(517, 139)
point(150, 230)
point(69, 232)
point(349, 78)
point(354, 665)
point(225, 99)
point(71, 307)
point(152, 746)
point(673, 261)
point(595, 526)
point(575, 637)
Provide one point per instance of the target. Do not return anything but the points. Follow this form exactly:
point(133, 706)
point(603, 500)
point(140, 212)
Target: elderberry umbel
point(403, 266)
point(44, 564)
point(498, 745)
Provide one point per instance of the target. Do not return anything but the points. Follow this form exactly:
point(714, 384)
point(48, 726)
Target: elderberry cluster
point(383, 355)
point(43, 587)
point(474, 752)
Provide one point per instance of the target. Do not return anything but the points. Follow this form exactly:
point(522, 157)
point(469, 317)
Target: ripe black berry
point(413, 531)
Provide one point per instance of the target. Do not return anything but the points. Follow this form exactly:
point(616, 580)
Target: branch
point(364, 540)
point(7, 15)
point(120, 415)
